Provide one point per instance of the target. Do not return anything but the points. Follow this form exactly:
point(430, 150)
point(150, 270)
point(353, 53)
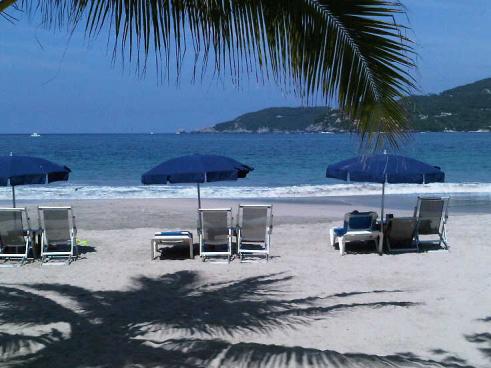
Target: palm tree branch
point(4, 4)
point(353, 52)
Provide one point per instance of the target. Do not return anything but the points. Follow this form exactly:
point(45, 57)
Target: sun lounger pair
point(402, 233)
point(428, 221)
point(56, 228)
point(253, 231)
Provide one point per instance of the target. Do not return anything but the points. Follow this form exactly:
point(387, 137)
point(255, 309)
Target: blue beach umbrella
point(22, 170)
point(196, 169)
point(385, 168)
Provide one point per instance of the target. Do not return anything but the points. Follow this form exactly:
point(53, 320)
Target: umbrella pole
point(13, 196)
point(381, 241)
point(199, 195)
point(383, 202)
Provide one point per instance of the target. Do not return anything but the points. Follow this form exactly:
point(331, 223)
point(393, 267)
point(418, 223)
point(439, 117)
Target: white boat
point(35, 135)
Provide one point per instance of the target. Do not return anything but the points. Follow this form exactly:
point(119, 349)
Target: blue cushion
point(175, 233)
point(360, 222)
point(340, 231)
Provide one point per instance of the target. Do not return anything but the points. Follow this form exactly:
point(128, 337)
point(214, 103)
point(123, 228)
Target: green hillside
point(463, 108)
point(281, 119)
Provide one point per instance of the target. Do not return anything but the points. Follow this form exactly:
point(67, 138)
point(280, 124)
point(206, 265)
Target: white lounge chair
point(401, 234)
point(15, 235)
point(358, 227)
point(254, 228)
point(59, 233)
point(215, 232)
point(431, 215)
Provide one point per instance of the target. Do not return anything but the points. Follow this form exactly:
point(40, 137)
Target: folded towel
point(175, 233)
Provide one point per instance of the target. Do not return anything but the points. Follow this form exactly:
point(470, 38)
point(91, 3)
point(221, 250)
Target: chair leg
point(444, 241)
point(341, 245)
point(444, 237)
point(331, 236)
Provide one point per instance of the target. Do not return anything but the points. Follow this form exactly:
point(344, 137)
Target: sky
point(53, 83)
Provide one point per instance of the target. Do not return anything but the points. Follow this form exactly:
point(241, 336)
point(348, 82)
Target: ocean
point(286, 165)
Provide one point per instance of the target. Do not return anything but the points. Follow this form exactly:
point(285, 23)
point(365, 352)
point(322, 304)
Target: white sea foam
point(189, 191)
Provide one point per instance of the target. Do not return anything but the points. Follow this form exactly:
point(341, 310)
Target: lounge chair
point(15, 235)
point(254, 228)
point(358, 227)
point(215, 233)
point(431, 214)
point(59, 233)
point(400, 234)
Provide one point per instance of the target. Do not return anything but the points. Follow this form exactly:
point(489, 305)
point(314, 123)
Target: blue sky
point(51, 83)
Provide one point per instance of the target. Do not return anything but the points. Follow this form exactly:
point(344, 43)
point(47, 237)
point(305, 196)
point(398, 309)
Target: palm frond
point(11, 344)
point(353, 53)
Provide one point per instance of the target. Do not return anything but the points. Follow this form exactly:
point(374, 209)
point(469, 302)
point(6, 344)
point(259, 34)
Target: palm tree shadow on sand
point(482, 339)
point(135, 327)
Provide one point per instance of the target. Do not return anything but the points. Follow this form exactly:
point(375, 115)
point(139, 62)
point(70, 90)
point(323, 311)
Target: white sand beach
point(308, 306)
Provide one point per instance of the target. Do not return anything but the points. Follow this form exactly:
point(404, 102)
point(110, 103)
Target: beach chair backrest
point(430, 215)
point(12, 226)
point(57, 223)
point(359, 221)
point(215, 225)
point(254, 221)
point(401, 231)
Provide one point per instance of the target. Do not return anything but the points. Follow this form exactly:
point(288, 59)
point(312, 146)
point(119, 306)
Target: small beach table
point(356, 235)
point(170, 238)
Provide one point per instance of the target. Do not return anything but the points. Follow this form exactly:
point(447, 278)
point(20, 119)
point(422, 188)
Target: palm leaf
point(353, 53)
point(12, 344)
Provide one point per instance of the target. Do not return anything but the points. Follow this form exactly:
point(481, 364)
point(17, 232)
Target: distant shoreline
point(333, 132)
point(236, 132)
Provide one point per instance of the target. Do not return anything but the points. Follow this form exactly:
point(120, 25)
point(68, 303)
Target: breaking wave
point(71, 191)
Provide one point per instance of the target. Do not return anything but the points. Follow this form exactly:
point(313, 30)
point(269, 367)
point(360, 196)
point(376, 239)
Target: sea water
point(285, 165)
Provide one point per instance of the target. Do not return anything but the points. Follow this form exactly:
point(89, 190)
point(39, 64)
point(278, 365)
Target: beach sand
point(308, 306)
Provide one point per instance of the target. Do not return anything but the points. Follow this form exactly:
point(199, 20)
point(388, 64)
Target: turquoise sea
point(286, 165)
